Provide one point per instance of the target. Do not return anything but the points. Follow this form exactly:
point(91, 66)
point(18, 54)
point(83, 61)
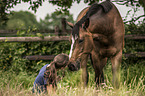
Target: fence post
point(63, 25)
point(57, 30)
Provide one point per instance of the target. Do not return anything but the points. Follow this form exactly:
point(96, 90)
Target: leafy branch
point(134, 19)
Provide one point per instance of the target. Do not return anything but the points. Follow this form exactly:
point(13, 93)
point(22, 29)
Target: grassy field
point(132, 83)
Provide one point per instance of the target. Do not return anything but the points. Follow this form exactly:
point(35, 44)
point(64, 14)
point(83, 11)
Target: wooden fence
point(34, 39)
point(58, 37)
point(50, 57)
point(56, 31)
point(62, 38)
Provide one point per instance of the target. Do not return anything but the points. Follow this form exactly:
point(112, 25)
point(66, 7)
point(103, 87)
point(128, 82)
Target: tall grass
point(132, 84)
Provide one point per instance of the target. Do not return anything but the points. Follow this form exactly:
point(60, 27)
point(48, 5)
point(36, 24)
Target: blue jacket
point(40, 82)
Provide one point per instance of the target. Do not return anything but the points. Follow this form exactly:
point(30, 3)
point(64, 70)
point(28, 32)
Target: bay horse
point(98, 33)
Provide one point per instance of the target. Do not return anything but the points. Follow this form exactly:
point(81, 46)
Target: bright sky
point(48, 8)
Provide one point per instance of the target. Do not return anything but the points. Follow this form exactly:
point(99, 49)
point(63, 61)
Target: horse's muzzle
point(74, 66)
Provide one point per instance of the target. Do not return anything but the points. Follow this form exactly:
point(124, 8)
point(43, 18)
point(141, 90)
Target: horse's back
point(82, 13)
point(108, 24)
point(101, 18)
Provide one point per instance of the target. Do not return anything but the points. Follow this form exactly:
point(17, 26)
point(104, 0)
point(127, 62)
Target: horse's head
point(81, 45)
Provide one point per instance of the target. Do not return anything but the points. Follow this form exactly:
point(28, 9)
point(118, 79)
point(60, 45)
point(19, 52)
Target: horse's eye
point(81, 40)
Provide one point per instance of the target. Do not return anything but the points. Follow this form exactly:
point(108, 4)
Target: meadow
point(132, 83)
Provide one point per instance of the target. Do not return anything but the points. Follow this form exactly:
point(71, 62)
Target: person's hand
point(50, 89)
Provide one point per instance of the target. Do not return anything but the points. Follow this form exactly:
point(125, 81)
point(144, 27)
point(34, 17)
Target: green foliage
point(132, 28)
point(26, 24)
point(12, 55)
point(64, 5)
point(28, 32)
point(50, 21)
point(133, 46)
point(23, 20)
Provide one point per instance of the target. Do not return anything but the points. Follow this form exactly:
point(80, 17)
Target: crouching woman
point(47, 78)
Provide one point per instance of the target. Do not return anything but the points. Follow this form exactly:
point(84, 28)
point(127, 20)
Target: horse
point(98, 34)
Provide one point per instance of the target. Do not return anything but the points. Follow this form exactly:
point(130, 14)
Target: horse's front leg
point(116, 62)
point(98, 65)
point(84, 60)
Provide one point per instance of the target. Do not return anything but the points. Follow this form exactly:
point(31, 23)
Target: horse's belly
point(108, 52)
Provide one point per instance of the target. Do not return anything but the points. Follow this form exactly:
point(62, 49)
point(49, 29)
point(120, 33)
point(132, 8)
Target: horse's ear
point(86, 23)
point(70, 24)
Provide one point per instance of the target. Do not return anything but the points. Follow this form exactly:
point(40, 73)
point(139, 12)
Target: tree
point(50, 21)
point(136, 4)
point(63, 4)
point(23, 19)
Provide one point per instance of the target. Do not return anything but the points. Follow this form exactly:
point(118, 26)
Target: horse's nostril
point(74, 66)
point(71, 67)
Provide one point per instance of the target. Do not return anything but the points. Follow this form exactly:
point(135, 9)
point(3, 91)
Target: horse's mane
point(106, 6)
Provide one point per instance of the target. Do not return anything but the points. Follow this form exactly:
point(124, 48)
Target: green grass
point(132, 83)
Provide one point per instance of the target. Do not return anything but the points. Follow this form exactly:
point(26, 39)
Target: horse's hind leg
point(98, 64)
point(116, 62)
